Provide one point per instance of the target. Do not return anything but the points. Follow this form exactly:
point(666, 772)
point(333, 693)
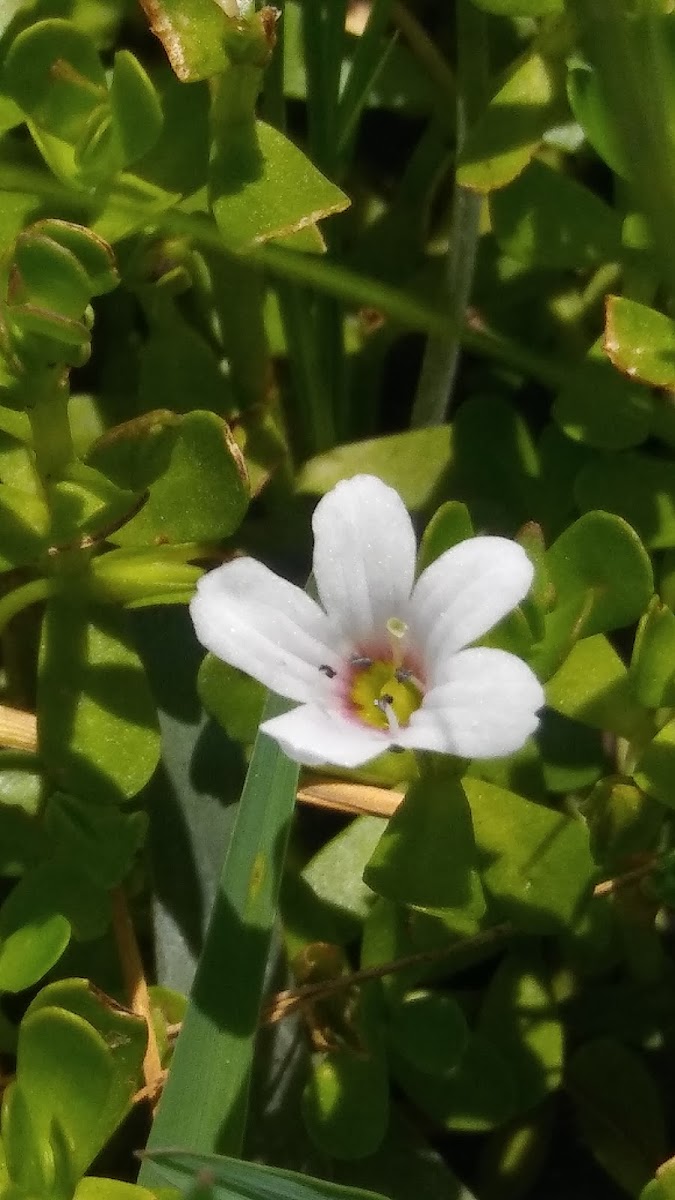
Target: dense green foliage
point(244, 258)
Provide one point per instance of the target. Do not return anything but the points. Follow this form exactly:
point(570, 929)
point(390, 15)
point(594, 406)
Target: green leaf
point(24, 527)
point(232, 1179)
point(85, 503)
point(638, 487)
point(124, 1034)
point(652, 668)
point(335, 872)
point(478, 1095)
point(514, 1156)
point(262, 186)
point(506, 137)
point(345, 1105)
point(97, 722)
point(233, 698)
point(450, 524)
point(602, 408)
point(640, 341)
point(572, 754)
point(192, 469)
point(136, 110)
point(49, 327)
point(591, 109)
point(92, 252)
point(33, 934)
point(623, 823)
point(99, 839)
point(63, 887)
point(95, 1188)
point(54, 74)
point(654, 771)
point(414, 463)
point(520, 1019)
point(65, 1071)
point(663, 1187)
point(177, 363)
point(546, 219)
point(140, 576)
point(619, 1111)
point(593, 686)
point(426, 856)
point(428, 1028)
point(538, 868)
point(30, 1162)
point(602, 555)
point(495, 463)
point(192, 33)
point(47, 275)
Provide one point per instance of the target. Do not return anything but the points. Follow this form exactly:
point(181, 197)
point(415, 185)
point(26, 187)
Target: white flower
point(383, 663)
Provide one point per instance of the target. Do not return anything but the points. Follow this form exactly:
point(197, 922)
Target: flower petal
point(364, 556)
point(466, 591)
point(486, 709)
point(268, 627)
point(314, 736)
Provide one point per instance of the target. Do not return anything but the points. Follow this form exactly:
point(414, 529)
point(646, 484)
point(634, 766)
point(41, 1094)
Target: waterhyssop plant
point(401, 276)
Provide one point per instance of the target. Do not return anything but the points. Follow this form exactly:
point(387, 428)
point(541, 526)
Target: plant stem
point(626, 49)
point(137, 989)
point(21, 597)
point(439, 367)
point(52, 439)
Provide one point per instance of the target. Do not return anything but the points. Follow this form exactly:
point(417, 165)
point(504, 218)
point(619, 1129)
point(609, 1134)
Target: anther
point(403, 675)
point(326, 670)
point(360, 661)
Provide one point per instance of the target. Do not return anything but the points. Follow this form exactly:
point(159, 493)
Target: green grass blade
point(231, 1179)
point(205, 1100)
point(370, 54)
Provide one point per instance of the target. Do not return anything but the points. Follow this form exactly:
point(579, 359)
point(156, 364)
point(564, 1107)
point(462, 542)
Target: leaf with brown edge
point(201, 40)
point(640, 341)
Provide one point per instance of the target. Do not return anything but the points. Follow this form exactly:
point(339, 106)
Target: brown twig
point(137, 991)
point(284, 1003)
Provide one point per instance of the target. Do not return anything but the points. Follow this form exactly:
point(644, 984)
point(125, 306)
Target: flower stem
point(52, 439)
point(439, 367)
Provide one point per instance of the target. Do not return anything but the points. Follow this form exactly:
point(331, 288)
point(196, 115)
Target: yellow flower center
point(382, 695)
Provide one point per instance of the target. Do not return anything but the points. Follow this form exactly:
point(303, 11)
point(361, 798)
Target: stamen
point(403, 675)
point(329, 671)
point(385, 703)
point(360, 661)
point(397, 631)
